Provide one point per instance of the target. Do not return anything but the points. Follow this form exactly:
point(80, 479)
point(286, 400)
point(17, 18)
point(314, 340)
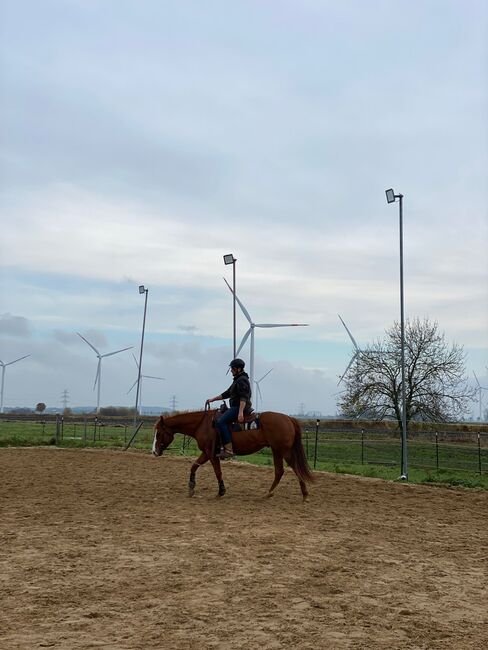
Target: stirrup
point(225, 454)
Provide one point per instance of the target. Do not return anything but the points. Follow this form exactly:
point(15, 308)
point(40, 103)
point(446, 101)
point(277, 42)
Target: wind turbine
point(479, 389)
point(98, 376)
point(140, 385)
point(258, 389)
point(4, 366)
point(356, 353)
point(250, 332)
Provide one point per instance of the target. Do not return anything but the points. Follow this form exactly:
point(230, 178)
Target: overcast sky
point(142, 140)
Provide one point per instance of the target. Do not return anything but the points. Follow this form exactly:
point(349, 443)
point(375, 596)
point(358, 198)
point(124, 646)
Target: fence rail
point(436, 450)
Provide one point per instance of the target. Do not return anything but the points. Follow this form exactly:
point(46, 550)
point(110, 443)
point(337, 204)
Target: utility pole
point(173, 403)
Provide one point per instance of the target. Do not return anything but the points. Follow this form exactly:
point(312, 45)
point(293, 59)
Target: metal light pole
point(391, 198)
point(142, 289)
point(230, 259)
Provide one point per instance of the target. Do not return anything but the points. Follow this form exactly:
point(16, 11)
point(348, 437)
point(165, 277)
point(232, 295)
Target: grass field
point(431, 459)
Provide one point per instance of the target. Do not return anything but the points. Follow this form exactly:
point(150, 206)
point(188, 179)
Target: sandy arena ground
point(103, 549)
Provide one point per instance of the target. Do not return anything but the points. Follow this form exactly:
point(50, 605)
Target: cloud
point(14, 326)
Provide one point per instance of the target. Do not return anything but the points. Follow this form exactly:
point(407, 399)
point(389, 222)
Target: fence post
point(56, 435)
point(479, 453)
point(362, 446)
point(84, 432)
point(316, 442)
point(95, 429)
point(62, 427)
point(437, 451)
point(306, 442)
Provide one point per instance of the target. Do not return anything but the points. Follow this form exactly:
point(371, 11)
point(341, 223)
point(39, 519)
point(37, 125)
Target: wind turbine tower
point(98, 376)
point(4, 367)
point(479, 389)
point(250, 332)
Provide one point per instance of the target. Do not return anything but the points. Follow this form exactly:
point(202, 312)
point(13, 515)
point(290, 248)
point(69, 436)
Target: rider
point(239, 395)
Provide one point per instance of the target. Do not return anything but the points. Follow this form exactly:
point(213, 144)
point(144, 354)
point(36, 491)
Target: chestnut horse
point(276, 430)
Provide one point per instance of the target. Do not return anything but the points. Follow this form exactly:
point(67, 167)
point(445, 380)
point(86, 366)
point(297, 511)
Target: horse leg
point(201, 460)
point(218, 474)
point(279, 471)
point(303, 486)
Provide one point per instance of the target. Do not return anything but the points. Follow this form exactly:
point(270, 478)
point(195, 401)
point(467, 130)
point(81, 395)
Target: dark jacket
point(240, 389)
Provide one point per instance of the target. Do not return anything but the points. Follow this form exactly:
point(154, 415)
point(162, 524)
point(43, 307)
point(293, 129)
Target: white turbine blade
point(244, 339)
point(244, 310)
point(349, 365)
point(19, 359)
point(135, 360)
point(151, 377)
point(350, 335)
point(259, 380)
point(132, 386)
point(92, 346)
point(109, 354)
point(98, 372)
point(476, 379)
point(281, 324)
point(259, 392)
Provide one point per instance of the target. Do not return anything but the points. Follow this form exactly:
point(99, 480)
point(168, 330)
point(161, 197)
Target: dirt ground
point(103, 549)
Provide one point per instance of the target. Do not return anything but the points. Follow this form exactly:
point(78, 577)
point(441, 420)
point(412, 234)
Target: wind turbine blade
point(109, 354)
point(92, 346)
point(19, 359)
point(132, 387)
point(244, 339)
point(98, 372)
point(135, 360)
point(259, 380)
point(350, 335)
point(349, 365)
point(476, 378)
point(281, 324)
point(259, 392)
point(244, 310)
point(151, 377)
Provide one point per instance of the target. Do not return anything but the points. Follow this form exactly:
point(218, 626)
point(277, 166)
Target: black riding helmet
point(237, 363)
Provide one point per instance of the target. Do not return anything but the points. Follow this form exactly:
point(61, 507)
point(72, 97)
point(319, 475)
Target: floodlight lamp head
point(142, 288)
point(229, 259)
point(390, 196)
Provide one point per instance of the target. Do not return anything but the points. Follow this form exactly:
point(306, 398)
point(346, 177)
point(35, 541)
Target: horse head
point(163, 437)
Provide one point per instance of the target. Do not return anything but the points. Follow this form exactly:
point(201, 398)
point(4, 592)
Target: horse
point(276, 430)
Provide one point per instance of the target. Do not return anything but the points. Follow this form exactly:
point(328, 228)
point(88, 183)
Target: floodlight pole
point(142, 289)
point(391, 197)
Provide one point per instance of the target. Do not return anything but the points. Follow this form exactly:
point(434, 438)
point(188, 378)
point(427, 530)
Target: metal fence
point(324, 446)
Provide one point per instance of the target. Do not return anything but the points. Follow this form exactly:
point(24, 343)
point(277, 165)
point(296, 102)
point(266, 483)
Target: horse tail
point(298, 459)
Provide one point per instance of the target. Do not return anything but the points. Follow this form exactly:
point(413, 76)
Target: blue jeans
point(225, 420)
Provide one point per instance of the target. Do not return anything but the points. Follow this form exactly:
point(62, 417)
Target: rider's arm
point(214, 399)
point(242, 406)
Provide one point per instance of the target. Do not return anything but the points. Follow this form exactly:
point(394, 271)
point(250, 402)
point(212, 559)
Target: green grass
point(374, 454)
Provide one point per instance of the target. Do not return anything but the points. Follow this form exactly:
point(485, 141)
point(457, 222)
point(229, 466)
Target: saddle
point(251, 420)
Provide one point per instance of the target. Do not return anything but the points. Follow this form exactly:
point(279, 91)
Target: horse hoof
point(305, 499)
point(269, 495)
point(191, 492)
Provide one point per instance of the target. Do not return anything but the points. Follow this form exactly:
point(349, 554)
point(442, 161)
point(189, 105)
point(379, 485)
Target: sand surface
point(103, 549)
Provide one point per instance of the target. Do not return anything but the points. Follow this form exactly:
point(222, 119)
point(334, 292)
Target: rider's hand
point(240, 418)
point(207, 403)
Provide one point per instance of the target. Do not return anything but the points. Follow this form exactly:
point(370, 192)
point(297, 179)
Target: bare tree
point(436, 389)
point(40, 407)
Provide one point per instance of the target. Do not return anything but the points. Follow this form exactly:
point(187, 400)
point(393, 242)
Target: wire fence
point(435, 450)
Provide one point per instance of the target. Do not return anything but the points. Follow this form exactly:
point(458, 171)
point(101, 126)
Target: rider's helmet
point(237, 363)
